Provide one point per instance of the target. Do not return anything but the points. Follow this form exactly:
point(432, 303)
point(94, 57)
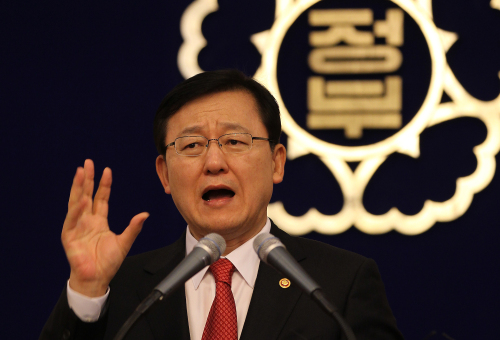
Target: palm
point(92, 248)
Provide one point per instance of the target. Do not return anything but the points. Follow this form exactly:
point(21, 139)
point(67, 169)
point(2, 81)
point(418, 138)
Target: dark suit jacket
point(350, 281)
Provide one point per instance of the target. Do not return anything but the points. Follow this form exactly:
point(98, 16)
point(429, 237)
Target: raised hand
point(94, 252)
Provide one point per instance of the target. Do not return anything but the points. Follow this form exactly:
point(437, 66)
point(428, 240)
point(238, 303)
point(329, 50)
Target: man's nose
point(215, 159)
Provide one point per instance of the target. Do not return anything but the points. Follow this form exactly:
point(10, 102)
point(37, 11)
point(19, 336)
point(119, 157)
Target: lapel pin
point(284, 283)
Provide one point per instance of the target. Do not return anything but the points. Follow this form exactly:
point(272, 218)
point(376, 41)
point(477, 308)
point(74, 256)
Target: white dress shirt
point(200, 289)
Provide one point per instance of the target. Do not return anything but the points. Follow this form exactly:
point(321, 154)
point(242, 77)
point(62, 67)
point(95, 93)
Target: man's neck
point(232, 241)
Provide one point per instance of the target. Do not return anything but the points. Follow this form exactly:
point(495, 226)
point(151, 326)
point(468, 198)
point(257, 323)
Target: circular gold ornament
point(284, 283)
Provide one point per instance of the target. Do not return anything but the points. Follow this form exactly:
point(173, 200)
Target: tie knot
point(222, 270)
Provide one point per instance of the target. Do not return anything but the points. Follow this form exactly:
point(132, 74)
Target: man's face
point(216, 192)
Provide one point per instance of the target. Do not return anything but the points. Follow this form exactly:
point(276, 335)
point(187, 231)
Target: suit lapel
point(271, 305)
point(167, 318)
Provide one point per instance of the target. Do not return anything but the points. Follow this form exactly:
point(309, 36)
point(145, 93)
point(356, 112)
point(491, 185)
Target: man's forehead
point(206, 112)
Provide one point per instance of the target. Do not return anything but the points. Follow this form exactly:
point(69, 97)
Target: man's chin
point(224, 227)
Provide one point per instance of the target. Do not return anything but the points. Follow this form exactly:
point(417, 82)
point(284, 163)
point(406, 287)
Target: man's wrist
point(88, 309)
point(88, 288)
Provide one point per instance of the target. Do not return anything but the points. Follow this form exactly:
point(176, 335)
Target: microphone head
point(216, 245)
point(264, 243)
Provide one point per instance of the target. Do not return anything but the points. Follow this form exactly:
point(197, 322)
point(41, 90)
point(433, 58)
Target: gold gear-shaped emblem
point(370, 157)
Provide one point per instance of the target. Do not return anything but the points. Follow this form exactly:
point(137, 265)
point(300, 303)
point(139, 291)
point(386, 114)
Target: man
point(217, 135)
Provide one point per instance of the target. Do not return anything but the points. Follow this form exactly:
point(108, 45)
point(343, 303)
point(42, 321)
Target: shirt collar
point(244, 258)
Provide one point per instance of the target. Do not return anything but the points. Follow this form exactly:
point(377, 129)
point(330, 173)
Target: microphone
point(271, 251)
point(207, 251)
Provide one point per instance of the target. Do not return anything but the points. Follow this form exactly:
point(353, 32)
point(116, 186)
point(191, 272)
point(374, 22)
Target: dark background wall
point(83, 80)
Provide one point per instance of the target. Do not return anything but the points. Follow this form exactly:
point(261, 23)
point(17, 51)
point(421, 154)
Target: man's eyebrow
point(225, 126)
point(191, 129)
point(234, 126)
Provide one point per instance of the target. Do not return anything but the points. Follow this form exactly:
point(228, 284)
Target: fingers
point(88, 183)
point(74, 214)
point(83, 183)
point(127, 238)
point(101, 198)
point(80, 197)
point(76, 188)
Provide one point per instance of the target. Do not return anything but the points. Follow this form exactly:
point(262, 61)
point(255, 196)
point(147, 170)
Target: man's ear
point(162, 171)
point(279, 159)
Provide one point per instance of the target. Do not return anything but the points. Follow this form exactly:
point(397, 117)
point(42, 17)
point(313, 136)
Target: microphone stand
point(318, 296)
point(143, 306)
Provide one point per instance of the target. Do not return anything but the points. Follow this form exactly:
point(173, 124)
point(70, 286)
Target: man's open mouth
point(217, 194)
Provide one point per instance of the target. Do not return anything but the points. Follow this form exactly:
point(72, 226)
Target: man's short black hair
point(211, 82)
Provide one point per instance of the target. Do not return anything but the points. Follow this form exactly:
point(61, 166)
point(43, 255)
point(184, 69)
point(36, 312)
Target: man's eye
point(236, 142)
point(191, 146)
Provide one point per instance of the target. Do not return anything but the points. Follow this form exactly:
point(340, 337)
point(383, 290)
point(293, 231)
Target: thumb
point(127, 238)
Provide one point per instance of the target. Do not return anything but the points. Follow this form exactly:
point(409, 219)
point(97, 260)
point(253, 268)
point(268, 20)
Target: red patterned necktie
point(221, 322)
